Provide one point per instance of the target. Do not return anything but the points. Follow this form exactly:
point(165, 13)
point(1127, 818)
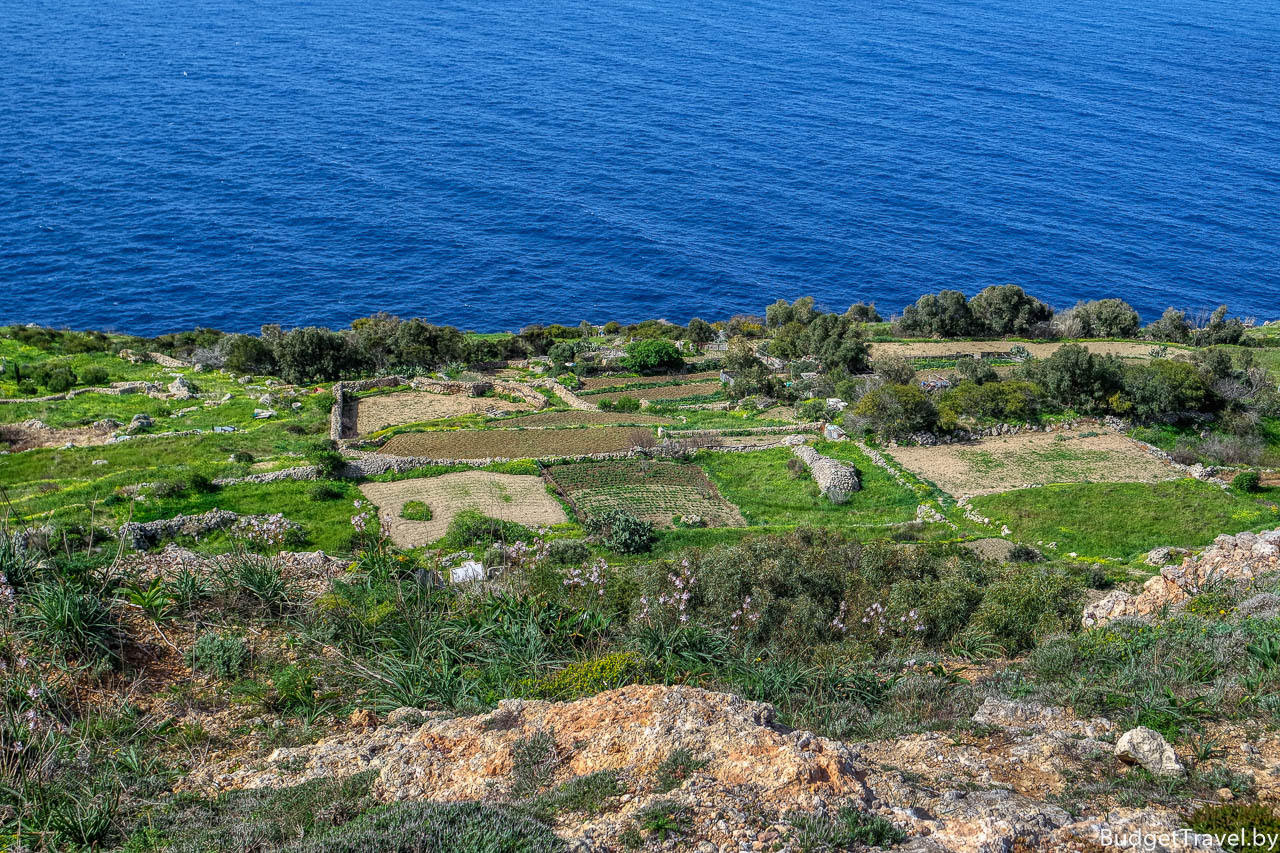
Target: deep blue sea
point(489, 163)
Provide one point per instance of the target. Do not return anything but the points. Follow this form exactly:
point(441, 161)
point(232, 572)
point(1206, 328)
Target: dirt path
point(510, 497)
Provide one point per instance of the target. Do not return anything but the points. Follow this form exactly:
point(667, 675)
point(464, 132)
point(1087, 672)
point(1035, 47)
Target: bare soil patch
point(380, 411)
point(510, 497)
point(936, 349)
point(513, 444)
point(1010, 462)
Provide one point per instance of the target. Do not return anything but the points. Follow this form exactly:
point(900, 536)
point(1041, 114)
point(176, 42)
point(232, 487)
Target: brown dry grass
point(512, 444)
point(510, 497)
point(410, 407)
point(1009, 462)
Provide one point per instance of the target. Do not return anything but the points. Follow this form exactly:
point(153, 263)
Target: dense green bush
point(862, 312)
point(653, 356)
point(415, 511)
point(944, 315)
point(94, 375)
point(1011, 401)
point(1026, 604)
point(1239, 821)
point(896, 411)
point(249, 354)
point(1074, 378)
point(1246, 481)
point(619, 530)
point(1006, 309)
point(326, 456)
point(1100, 318)
point(1162, 387)
point(323, 492)
point(568, 552)
point(1172, 328)
point(472, 529)
point(311, 354)
point(895, 370)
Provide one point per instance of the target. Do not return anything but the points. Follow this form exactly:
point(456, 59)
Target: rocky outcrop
point(1238, 558)
point(972, 794)
point(1148, 748)
point(836, 480)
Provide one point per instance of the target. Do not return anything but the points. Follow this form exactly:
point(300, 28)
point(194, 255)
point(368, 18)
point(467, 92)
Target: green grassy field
point(1125, 519)
point(760, 485)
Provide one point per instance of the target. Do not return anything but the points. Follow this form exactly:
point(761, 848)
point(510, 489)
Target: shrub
point(472, 529)
point(221, 655)
point(626, 404)
point(589, 677)
point(568, 552)
point(1219, 330)
point(72, 620)
point(311, 354)
point(1077, 379)
point(1007, 309)
point(168, 488)
point(675, 769)
point(427, 827)
point(326, 456)
point(895, 370)
point(896, 411)
point(255, 579)
point(324, 492)
point(1172, 327)
point(1241, 819)
point(249, 354)
point(848, 827)
point(1026, 604)
point(653, 356)
point(1102, 318)
point(976, 370)
point(1247, 481)
point(1009, 401)
point(619, 530)
point(945, 315)
point(534, 760)
point(862, 312)
point(415, 511)
point(94, 375)
point(201, 484)
point(244, 457)
point(59, 379)
point(1162, 387)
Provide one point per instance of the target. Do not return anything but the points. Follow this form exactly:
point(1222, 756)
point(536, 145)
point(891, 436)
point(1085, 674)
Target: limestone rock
point(1148, 748)
point(181, 389)
point(1264, 605)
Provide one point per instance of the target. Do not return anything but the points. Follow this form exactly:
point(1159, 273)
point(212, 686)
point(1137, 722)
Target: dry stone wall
point(837, 480)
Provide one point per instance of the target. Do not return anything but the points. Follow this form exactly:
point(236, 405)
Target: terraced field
point(600, 383)
point(579, 418)
point(513, 444)
point(663, 392)
point(380, 411)
point(657, 491)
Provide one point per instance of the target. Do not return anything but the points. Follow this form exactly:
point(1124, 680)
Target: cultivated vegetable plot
point(657, 491)
point(663, 392)
point(577, 418)
point(600, 383)
point(514, 444)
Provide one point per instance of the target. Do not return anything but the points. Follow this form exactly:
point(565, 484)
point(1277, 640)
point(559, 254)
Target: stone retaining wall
point(142, 535)
point(570, 398)
point(302, 472)
point(115, 389)
point(342, 417)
